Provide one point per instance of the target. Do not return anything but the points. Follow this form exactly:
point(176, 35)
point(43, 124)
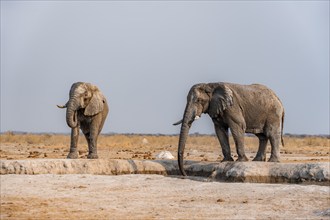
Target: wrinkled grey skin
point(242, 108)
point(87, 109)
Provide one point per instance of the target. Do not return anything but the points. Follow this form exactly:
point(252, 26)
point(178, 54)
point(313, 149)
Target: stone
point(255, 172)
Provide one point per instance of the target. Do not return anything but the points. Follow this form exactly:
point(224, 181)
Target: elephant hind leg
point(275, 151)
point(261, 154)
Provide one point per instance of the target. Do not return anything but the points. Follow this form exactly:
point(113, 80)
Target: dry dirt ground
point(200, 148)
point(154, 196)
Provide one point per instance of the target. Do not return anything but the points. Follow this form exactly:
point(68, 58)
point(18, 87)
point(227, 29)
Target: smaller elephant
point(86, 109)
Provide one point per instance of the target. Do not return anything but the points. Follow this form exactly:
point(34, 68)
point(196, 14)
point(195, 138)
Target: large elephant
point(86, 109)
point(242, 108)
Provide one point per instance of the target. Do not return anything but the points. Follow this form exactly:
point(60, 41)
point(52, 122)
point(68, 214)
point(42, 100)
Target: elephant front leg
point(238, 135)
point(92, 141)
point(261, 155)
point(73, 154)
point(222, 134)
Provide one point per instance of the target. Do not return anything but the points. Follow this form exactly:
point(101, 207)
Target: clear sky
point(145, 56)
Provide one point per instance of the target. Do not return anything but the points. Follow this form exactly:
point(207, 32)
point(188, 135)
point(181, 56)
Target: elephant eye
point(200, 101)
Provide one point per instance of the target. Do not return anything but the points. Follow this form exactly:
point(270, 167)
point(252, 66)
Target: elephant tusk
point(197, 117)
point(61, 106)
point(179, 122)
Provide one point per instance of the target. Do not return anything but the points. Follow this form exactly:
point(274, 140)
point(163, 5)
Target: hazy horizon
point(153, 134)
point(145, 56)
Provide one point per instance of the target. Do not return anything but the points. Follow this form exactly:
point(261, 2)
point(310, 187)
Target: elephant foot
point(242, 159)
point(92, 156)
point(259, 158)
point(227, 159)
point(273, 159)
point(72, 155)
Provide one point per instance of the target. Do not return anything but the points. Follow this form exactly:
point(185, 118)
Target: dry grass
point(292, 144)
point(120, 146)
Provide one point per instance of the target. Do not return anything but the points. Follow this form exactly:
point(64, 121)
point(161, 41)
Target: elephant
point(241, 108)
point(86, 109)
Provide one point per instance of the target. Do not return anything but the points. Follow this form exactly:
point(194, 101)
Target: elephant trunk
point(188, 118)
point(71, 112)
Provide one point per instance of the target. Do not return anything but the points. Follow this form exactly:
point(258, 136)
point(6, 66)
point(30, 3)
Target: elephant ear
point(222, 98)
point(96, 104)
point(226, 97)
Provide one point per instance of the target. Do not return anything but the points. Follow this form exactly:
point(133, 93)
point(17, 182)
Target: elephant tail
point(282, 129)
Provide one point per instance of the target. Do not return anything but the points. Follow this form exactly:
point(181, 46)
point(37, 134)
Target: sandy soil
point(156, 197)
